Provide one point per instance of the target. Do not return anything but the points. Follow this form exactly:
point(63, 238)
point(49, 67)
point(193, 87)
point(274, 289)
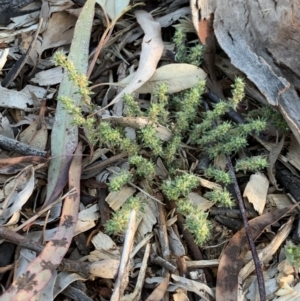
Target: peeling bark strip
point(262, 40)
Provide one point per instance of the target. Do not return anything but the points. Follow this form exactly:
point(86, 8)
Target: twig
point(20, 148)
point(165, 247)
point(163, 263)
point(162, 233)
point(122, 278)
point(136, 294)
point(257, 263)
point(142, 243)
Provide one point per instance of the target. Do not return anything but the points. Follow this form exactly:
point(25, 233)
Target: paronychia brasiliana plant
point(182, 114)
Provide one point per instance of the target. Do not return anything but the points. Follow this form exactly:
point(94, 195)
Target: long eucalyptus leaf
point(64, 138)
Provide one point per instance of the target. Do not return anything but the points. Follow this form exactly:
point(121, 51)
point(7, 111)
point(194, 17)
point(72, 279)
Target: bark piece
point(261, 39)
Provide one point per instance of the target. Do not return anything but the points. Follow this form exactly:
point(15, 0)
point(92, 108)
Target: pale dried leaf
point(170, 18)
point(101, 241)
point(208, 184)
point(3, 57)
point(5, 128)
point(116, 199)
point(59, 31)
point(199, 201)
point(256, 191)
point(160, 290)
point(20, 191)
point(202, 263)
point(279, 201)
point(152, 48)
point(87, 219)
point(16, 100)
point(160, 169)
point(63, 280)
point(113, 7)
point(177, 77)
point(8, 36)
point(106, 269)
point(180, 296)
point(193, 286)
point(149, 217)
point(36, 135)
point(176, 246)
point(48, 77)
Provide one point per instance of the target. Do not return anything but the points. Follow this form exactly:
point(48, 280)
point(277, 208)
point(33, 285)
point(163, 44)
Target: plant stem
point(257, 263)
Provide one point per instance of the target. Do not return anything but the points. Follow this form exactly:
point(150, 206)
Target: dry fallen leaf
point(256, 191)
point(152, 49)
point(177, 77)
point(160, 290)
point(193, 286)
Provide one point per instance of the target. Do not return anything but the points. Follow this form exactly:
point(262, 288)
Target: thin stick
point(20, 148)
point(257, 263)
point(122, 278)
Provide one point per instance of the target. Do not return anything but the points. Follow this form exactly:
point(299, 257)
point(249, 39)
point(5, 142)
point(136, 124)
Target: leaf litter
point(50, 197)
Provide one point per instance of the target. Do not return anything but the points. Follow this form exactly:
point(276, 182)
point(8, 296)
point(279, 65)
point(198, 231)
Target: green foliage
point(196, 220)
point(179, 186)
point(218, 133)
point(219, 175)
point(229, 145)
point(110, 136)
point(82, 83)
point(80, 80)
point(150, 139)
point(181, 114)
point(237, 92)
point(172, 148)
point(251, 164)
point(119, 180)
point(118, 223)
point(157, 111)
point(251, 126)
point(189, 103)
point(223, 197)
point(192, 55)
point(271, 116)
point(144, 167)
point(131, 106)
point(221, 137)
point(179, 40)
point(292, 253)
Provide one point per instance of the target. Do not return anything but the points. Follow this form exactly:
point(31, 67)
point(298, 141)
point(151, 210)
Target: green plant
point(191, 55)
point(251, 164)
point(119, 180)
point(179, 112)
point(118, 223)
point(292, 253)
